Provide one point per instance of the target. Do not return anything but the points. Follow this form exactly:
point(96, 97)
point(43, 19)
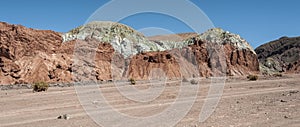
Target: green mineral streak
point(108, 31)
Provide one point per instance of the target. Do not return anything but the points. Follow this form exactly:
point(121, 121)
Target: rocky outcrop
point(124, 39)
point(27, 42)
point(241, 59)
point(282, 55)
point(111, 51)
point(91, 60)
point(24, 53)
point(213, 53)
point(29, 55)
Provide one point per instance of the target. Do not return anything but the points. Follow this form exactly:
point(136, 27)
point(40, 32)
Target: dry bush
point(40, 86)
point(185, 79)
point(194, 82)
point(277, 75)
point(132, 81)
point(252, 77)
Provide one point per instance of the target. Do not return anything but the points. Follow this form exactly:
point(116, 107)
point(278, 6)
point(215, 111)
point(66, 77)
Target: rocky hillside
point(28, 55)
point(282, 55)
point(209, 54)
point(124, 39)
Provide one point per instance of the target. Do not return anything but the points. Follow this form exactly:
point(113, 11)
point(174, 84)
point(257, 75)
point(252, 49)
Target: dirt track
point(266, 102)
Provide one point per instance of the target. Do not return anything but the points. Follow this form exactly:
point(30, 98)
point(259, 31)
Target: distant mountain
point(282, 55)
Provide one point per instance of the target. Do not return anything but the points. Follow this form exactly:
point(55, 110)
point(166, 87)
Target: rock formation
point(124, 39)
point(110, 51)
point(213, 53)
point(282, 55)
point(29, 55)
point(26, 54)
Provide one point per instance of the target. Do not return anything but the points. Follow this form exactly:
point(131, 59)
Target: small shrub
point(194, 82)
point(185, 79)
point(40, 86)
point(252, 77)
point(132, 81)
point(277, 75)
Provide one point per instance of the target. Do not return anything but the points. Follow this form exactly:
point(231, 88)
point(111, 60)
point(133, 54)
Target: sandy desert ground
point(268, 102)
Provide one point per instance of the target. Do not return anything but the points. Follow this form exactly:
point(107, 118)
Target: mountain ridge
point(29, 55)
point(281, 55)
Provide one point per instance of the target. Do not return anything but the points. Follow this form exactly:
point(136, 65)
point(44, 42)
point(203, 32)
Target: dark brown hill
point(282, 55)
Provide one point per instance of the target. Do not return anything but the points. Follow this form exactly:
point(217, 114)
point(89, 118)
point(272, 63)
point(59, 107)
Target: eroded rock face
point(91, 60)
point(124, 39)
point(26, 41)
point(202, 59)
point(240, 61)
point(25, 53)
point(240, 57)
point(282, 55)
point(28, 55)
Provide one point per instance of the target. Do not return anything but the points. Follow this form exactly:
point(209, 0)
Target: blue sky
point(258, 21)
